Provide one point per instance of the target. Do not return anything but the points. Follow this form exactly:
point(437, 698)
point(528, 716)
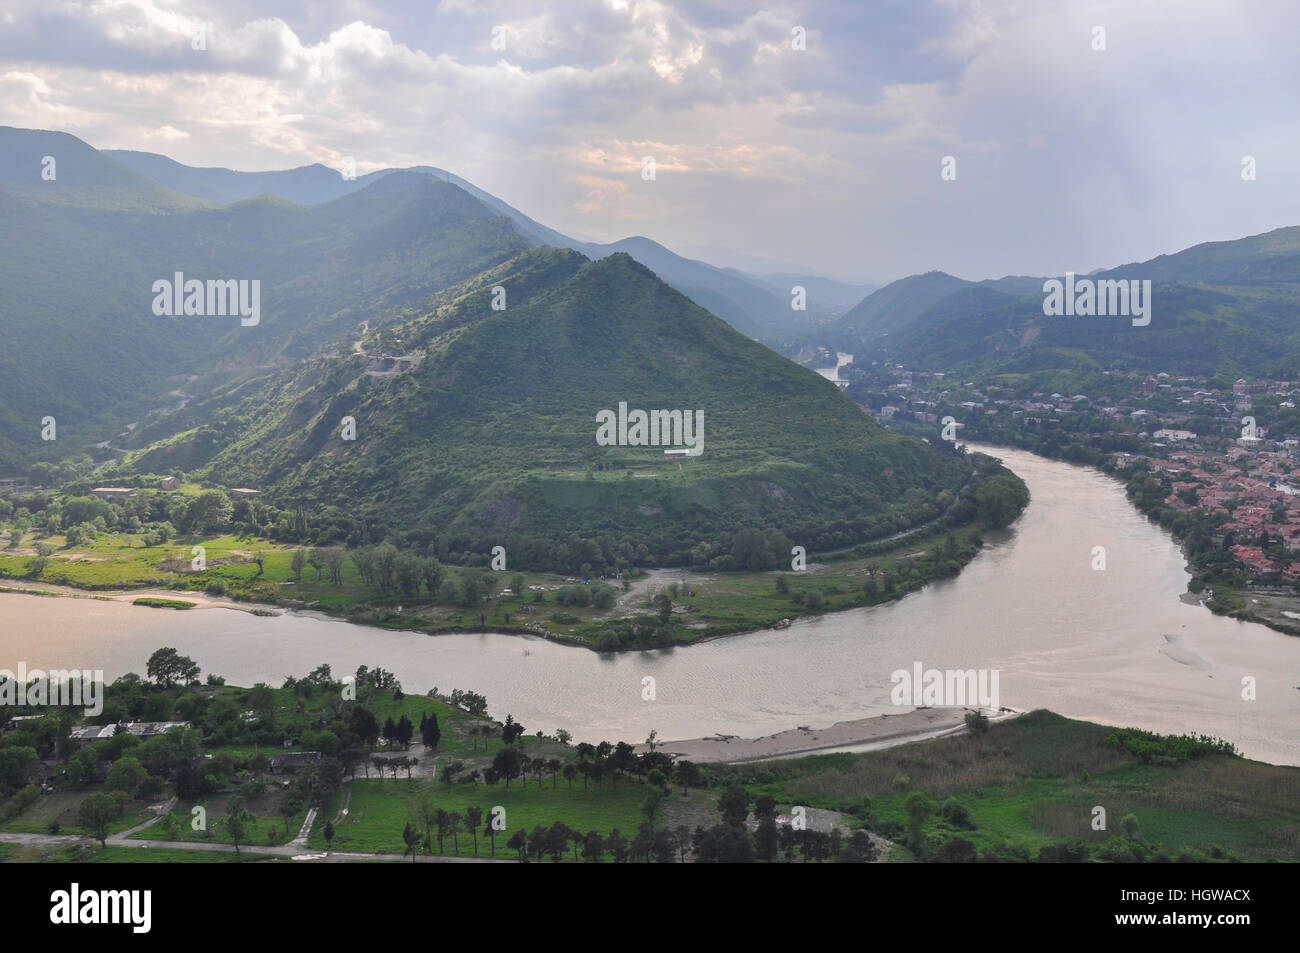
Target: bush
point(957, 814)
point(216, 587)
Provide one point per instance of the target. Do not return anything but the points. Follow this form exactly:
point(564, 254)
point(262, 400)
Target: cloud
point(827, 155)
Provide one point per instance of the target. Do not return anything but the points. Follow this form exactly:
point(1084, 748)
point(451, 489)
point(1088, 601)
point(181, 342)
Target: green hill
point(490, 438)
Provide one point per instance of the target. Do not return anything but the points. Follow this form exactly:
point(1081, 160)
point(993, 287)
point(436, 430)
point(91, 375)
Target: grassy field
point(379, 810)
point(1035, 781)
point(267, 827)
point(61, 807)
point(94, 854)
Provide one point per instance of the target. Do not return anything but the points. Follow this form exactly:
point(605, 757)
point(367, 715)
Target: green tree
point(473, 819)
point(238, 821)
point(919, 807)
point(167, 667)
point(733, 804)
point(96, 815)
point(209, 511)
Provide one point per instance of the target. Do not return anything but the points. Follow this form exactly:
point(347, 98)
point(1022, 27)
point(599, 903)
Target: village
point(1229, 450)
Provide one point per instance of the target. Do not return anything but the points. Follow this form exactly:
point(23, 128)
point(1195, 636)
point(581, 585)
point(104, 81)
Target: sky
point(812, 134)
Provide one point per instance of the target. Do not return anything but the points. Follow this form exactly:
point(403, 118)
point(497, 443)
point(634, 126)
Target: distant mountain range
point(1221, 307)
point(756, 305)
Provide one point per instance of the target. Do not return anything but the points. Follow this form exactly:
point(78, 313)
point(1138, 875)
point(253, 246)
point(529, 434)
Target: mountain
point(58, 168)
point(750, 305)
point(78, 266)
point(896, 304)
point(1228, 307)
point(753, 310)
point(485, 432)
point(827, 299)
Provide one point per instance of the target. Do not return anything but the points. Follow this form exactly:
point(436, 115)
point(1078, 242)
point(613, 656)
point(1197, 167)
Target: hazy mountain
point(899, 302)
point(1219, 307)
point(747, 304)
point(78, 265)
point(826, 298)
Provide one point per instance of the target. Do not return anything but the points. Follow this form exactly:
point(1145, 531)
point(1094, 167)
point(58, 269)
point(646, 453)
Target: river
point(1115, 646)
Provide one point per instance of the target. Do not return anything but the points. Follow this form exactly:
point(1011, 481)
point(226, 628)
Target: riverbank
point(701, 605)
point(878, 731)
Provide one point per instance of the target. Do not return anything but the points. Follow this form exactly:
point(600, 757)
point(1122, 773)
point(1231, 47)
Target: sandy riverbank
point(878, 731)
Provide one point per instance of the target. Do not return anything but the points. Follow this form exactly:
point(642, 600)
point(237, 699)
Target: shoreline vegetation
point(382, 586)
point(353, 769)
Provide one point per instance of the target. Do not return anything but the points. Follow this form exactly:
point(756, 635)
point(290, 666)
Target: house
point(169, 483)
point(141, 729)
point(244, 492)
point(291, 762)
point(113, 492)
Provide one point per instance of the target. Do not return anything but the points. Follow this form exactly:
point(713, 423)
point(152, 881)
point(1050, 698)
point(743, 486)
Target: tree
point(686, 773)
point(1129, 827)
point(733, 804)
point(473, 818)
point(453, 827)
point(390, 731)
point(167, 667)
point(511, 730)
point(329, 833)
point(334, 557)
point(508, 764)
point(442, 823)
point(765, 839)
point(96, 814)
point(411, 838)
point(405, 730)
point(431, 573)
point(593, 845)
point(430, 733)
point(663, 607)
point(518, 842)
point(616, 844)
point(126, 774)
point(999, 498)
point(919, 808)
point(569, 772)
point(209, 511)
point(238, 820)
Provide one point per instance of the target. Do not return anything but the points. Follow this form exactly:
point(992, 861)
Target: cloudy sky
point(828, 157)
